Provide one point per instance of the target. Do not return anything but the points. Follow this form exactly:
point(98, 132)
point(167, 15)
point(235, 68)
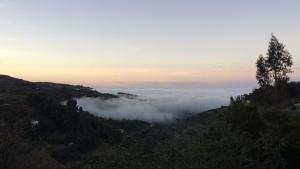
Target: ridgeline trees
point(273, 69)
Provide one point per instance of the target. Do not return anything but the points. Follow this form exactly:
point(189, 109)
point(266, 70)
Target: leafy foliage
point(257, 130)
point(275, 67)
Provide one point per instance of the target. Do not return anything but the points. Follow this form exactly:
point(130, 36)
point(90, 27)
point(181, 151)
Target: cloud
point(125, 109)
point(164, 105)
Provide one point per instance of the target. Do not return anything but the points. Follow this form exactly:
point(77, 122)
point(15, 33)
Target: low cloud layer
point(160, 106)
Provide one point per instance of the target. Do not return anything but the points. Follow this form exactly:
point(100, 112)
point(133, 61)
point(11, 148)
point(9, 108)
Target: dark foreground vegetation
point(260, 130)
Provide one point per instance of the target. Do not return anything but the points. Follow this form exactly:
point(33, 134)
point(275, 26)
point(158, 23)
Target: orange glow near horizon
point(109, 43)
point(107, 76)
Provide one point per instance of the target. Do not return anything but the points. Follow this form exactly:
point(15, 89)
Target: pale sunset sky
point(108, 42)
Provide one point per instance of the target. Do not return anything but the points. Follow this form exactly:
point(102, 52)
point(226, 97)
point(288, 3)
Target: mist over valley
point(159, 103)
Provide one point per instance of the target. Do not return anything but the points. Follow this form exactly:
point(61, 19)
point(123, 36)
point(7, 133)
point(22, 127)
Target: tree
point(273, 68)
point(72, 103)
point(262, 73)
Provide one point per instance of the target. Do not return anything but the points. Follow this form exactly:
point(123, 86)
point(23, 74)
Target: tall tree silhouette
point(273, 69)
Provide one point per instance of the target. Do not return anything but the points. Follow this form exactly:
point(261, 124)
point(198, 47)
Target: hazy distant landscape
point(160, 103)
point(149, 84)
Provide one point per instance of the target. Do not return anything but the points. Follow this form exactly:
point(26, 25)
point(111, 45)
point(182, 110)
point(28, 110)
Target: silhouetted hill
point(37, 131)
point(56, 90)
point(257, 130)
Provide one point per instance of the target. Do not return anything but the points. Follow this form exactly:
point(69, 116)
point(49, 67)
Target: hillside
point(257, 130)
point(39, 132)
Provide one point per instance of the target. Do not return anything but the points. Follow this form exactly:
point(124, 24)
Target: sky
point(115, 42)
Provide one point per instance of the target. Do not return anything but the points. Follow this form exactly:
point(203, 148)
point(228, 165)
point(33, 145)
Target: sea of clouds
point(159, 104)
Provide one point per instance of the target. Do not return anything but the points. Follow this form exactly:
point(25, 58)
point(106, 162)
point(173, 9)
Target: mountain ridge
point(37, 131)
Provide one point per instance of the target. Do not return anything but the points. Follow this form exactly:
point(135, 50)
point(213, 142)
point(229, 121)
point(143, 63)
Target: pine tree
point(273, 68)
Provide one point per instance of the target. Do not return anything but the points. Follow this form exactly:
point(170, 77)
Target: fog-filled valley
point(72, 126)
point(159, 103)
point(149, 84)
